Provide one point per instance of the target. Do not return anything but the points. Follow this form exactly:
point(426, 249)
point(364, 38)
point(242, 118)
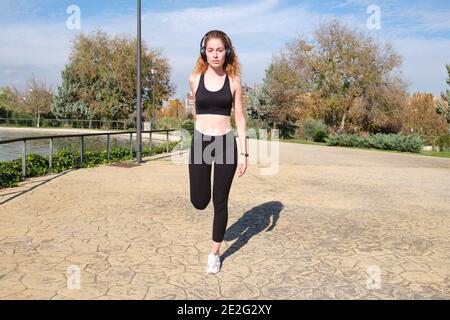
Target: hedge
point(398, 142)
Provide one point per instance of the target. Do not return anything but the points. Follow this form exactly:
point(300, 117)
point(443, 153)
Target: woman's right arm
point(192, 86)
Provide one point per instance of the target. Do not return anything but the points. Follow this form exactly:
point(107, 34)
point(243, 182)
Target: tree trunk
point(342, 126)
point(38, 118)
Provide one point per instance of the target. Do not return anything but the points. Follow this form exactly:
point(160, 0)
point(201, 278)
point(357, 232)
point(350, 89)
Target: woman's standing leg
point(224, 169)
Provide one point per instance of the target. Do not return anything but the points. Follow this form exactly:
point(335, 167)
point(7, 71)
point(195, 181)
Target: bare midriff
point(213, 124)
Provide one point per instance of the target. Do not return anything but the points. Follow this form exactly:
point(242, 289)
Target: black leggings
point(221, 149)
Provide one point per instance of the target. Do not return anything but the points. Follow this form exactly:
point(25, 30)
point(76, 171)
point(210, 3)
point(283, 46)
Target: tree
point(259, 105)
point(68, 102)
point(175, 109)
point(270, 104)
point(343, 77)
point(38, 99)
point(353, 69)
point(11, 100)
point(99, 82)
point(3, 103)
point(421, 118)
point(443, 106)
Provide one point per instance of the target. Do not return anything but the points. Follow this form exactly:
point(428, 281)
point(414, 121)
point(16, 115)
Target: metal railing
point(73, 123)
point(82, 135)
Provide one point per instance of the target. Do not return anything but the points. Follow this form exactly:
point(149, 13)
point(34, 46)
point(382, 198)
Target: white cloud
point(41, 50)
point(10, 8)
point(257, 29)
point(348, 3)
point(424, 63)
point(429, 20)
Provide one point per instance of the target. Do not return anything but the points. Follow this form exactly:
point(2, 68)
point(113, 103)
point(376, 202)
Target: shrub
point(10, 173)
point(37, 165)
point(287, 129)
point(443, 142)
point(188, 124)
point(256, 125)
point(167, 123)
point(64, 160)
point(320, 135)
point(398, 142)
point(315, 129)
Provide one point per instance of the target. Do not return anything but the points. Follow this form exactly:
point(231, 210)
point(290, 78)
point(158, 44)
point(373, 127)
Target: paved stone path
point(332, 223)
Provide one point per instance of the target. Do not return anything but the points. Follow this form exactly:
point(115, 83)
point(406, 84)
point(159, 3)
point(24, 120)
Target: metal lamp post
point(138, 86)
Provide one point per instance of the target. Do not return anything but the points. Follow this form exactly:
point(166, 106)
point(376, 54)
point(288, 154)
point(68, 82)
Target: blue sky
point(35, 40)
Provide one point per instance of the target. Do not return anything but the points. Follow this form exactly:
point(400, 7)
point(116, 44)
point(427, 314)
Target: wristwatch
point(244, 154)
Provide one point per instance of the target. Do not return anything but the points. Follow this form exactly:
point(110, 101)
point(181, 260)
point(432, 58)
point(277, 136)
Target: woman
point(215, 85)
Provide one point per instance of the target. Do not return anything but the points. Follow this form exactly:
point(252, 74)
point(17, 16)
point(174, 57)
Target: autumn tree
point(343, 77)
point(421, 118)
point(175, 109)
point(3, 102)
point(99, 82)
point(11, 100)
point(38, 99)
point(352, 70)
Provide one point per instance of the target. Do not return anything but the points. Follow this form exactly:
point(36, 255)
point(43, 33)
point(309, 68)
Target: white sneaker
point(213, 263)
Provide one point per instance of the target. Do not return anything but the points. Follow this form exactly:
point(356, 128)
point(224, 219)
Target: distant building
point(246, 89)
point(165, 103)
point(189, 104)
point(245, 93)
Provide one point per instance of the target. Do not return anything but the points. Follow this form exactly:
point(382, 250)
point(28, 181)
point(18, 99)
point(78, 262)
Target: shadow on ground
point(250, 224)
point(37, 182)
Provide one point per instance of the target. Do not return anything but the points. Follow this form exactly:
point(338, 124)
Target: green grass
point(302, 141)
point(442, 154)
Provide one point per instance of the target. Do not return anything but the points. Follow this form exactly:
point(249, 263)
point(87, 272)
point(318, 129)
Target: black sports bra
point(213, 102)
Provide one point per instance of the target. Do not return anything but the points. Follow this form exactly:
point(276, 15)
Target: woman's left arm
point(241, 122)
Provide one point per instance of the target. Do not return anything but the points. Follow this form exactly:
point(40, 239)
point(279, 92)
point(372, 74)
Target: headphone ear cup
point(203, 54)
point(227, 55)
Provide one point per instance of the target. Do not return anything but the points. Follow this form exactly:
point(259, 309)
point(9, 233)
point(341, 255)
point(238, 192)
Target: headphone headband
point(219, 31)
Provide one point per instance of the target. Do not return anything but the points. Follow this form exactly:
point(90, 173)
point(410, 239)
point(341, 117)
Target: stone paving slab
point(332, 223)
